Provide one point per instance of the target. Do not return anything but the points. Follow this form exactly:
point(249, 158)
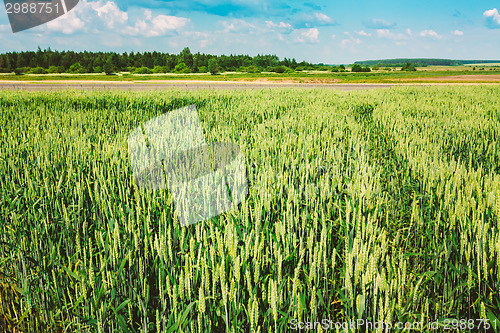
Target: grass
point(380, 205)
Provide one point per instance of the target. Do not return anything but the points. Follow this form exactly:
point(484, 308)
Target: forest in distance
point(56, 62)
point(48, 61)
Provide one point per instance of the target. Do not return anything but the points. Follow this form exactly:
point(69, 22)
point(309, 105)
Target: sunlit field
point(380, 205)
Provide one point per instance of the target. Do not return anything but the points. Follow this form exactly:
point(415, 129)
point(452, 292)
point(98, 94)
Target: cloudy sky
point(315, 30)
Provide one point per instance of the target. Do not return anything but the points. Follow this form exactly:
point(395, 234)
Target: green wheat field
point(380, 205)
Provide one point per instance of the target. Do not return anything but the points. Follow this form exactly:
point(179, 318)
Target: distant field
point(493, 64)
point(378, 76)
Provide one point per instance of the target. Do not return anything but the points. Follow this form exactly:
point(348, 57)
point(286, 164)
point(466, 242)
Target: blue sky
point(316, 31)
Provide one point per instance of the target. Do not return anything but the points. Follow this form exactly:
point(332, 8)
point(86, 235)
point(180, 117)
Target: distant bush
point(358, 68)
point(76, 69)
point(409, 67)
point(143, 70)
point(159, 69)
point(304, 68)
point(98, 69)
point(203, 69)
point(55, 69)
point(251, 69)
point(336, 69)
point(37, 70)
point(182, 68)
point(277, 69)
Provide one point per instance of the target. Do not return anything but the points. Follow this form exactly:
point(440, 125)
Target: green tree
point(186, 57)
point(356, 68)
point(409, 67)
point(182, 68)
point(37, 70)
point(213, 66)
point(109, 68)
point(77, 68)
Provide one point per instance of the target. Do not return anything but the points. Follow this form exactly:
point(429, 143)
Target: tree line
point(48, 61)
point(420, 62)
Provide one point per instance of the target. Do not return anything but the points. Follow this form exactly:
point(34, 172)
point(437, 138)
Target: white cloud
point(378, 24)
point(197, 34)
point(164, 23)
point(271, 24)
point(204, 38)
point(77, 19)
point(429, 33)
point(409, 32)
point(237, 26)
point(493, 13)
point(283, 27)
point(458, 33)
point(333, 36)
point(386, 33)
point(67, 24)
point(153, 26)
point(347, 42)
point(308, 36)
point(110, 13)
point(303, 21)
point(493, 18)
point(106, 16)
point(363, 33)
point(323, 18)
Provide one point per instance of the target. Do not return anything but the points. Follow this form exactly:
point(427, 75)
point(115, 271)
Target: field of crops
point(381, 204)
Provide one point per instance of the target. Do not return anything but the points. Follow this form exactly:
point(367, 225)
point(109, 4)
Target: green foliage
point(182, 68)
point(142, 70)
point(203, 69)
point(76, 68)
point(98, 69)
point(109, 67)
point(251, 69)
point(160, 69)
point(278, 69)
point(408, 67)
point(358, 68)
point(55, 70)
point(122, 62)
point(186, 57)
point(37, 70)
point(213, 66)
point(336, 69)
